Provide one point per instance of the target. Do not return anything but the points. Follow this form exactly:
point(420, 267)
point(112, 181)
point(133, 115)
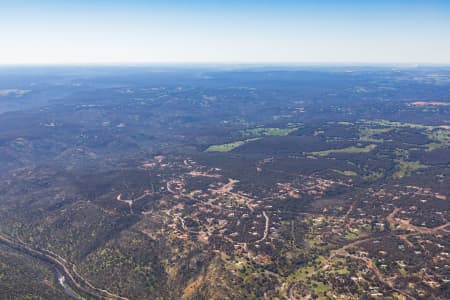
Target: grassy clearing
point(228, 147)
point(225, 147)
point(352, 149)
point(433, 146)
point(386, 123)
point(406, 168)
point(439, 134)
point(340, 266)
point(441, 139)
point(346, 173)
point(352, 235)
point(319, 287)
point(399, 124)
point(258, 132)
point(374, 176)
point(366, 134)
point(304, 275)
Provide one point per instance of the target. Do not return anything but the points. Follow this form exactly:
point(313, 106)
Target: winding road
point(74, 285)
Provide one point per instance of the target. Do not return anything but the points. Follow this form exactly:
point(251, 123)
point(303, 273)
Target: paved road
point(73, 282)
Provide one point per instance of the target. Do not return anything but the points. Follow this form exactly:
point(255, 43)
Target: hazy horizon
point(213, 32)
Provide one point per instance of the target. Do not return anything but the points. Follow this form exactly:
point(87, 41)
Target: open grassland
point(387, 123)
point(366, 134)
point(440, 135)
point(352, 149)
point(441, 139)
point(346, 173)
point(228, 147)
point(406, 168)
point(258, 132)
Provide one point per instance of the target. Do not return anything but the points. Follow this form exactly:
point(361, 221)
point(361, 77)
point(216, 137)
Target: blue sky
point(229, 31)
